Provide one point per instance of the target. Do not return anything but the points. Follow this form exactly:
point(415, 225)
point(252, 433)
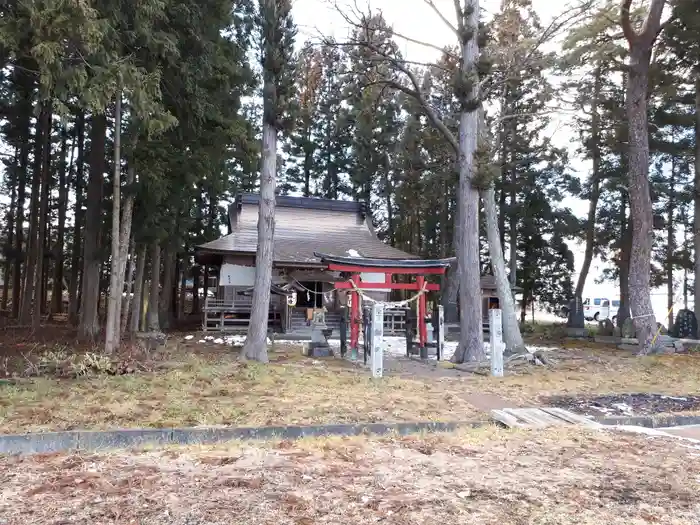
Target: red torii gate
point(352, 267)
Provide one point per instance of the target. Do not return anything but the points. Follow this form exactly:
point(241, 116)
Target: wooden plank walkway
point(540, 417)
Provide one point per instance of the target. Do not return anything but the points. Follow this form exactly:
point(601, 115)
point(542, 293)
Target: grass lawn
point(197, 386)
point(218, 390)
point(562, 476)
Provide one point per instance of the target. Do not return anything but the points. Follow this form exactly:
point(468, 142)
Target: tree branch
point(443, 50)
point(652, 24)
point(460, 19)
point(449, 24)
point(626, 23)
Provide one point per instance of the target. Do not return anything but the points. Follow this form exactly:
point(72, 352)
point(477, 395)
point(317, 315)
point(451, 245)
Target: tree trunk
point(39, 282)
point(696, 200)
point(57, 290)
point(25, 84)
point(73, 294)
point(33, 242)
point(196, 276)
point(89, 326)
point(114, 300)
point(256, 341)
point(670, 241)
point(595, 185)
point(640, 200)
point(182, 303)
point(511, 329)
point(623, 312)
point(166, 294)
point(11, 214)
point(471, 343)
point(126, 302)
point(137, 300)
point(152, 321)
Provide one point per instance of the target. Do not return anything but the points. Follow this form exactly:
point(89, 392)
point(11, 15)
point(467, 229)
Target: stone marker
point(377, 340)
point(606, 328)
point(496, 341)
point(576, 324)
point(686, 325)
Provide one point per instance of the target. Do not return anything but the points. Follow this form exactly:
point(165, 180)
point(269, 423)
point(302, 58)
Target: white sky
point(415, 19)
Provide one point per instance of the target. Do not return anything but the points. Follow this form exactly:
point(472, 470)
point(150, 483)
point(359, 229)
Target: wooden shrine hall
point(326, 253)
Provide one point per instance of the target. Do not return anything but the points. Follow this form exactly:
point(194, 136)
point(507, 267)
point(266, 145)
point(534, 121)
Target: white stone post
point(377, 340)
point(496, 341)
point(441, 331)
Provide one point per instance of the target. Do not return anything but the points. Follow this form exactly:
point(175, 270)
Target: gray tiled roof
point(303, 226)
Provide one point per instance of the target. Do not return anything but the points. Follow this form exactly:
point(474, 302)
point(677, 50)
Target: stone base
point(318, 350)
point(576, 332)
point(610, 339)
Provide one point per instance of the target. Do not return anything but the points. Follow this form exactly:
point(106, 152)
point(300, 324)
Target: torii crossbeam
point(353, 267)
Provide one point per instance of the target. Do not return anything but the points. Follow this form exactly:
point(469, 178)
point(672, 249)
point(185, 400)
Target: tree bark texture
point(623, 312)
point(114, 299)
point(33, 242)
point(166, 294)
point(126, 302)
point(75, 266)
point(670, 241)
point(696, 199)
point(39, 280)
point(152, 320)
point(511, 329)
point(595, 185)
point(89, 326)
point(137, 300)
point(9, 241)
point(57, 289)
point(640, 45)
point(255, 347)
point(24, 81)
point(471, 344)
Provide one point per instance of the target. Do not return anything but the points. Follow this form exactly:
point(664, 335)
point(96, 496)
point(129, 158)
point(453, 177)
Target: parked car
point(595, 309)
point(600, 308)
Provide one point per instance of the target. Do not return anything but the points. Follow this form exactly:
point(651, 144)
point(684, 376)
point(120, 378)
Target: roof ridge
point(308, 203)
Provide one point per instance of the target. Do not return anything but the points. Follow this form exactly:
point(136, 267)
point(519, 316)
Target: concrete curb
point(649, 421)
point(91, 440)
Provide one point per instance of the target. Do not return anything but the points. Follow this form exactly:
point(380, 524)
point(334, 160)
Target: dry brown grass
point(210, 387)
point(218, 390)
point(562, 476)
point(600, 371)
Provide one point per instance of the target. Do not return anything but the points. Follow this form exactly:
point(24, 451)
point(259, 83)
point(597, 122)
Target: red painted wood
point(355, 314)
point(384, 286)
point(370, 269)
point(422, 331)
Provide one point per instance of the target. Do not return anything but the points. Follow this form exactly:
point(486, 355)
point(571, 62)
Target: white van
point(599, 308)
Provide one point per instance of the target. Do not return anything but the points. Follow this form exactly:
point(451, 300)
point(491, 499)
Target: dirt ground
point(559, 476)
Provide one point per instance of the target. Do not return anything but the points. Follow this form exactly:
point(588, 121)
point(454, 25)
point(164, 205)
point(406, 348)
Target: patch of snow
point(209, 338)
point(624, 408)
point(201, 341)
point(654, 432)
point(188, 337)
point(218, 341)
point(353, 253)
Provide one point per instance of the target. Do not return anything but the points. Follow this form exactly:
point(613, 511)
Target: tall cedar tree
point(277, 32)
